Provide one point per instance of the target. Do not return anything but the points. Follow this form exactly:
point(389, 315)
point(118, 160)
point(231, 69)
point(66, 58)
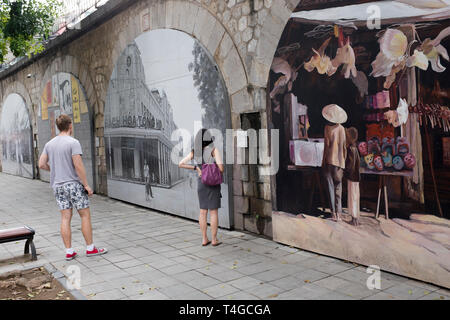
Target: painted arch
point(16, 137)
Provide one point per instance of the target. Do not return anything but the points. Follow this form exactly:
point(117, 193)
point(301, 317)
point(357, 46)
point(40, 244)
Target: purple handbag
point(211, 174)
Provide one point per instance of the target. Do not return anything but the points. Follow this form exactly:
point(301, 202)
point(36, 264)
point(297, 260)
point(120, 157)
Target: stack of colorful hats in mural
point(383, 151)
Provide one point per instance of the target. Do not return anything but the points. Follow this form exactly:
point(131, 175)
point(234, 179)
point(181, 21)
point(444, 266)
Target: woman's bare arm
point(183, 163)
point(218, 158)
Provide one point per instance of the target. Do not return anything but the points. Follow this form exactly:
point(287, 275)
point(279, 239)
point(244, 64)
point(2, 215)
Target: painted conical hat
point(334, 113)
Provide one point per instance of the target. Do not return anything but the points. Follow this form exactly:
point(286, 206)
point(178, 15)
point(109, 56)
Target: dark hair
point(199, 137)
point(200, 140)
point(351, 135)
point(63, 122)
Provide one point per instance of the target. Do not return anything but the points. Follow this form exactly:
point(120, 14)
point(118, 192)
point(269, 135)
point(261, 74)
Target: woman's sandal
point(205, 244)
point(216, 244)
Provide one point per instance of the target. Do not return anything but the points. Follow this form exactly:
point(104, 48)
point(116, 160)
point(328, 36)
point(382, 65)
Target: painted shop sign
point(133, 121)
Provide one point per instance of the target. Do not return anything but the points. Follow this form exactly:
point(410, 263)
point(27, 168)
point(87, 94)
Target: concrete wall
point(241, 35)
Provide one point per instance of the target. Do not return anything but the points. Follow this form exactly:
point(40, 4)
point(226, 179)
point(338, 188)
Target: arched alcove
point(164, 82)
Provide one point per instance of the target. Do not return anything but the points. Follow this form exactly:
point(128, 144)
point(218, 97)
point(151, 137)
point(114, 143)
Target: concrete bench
point(21, 233)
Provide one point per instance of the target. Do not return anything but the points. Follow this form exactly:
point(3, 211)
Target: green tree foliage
point(25, 25)
point(212, 93)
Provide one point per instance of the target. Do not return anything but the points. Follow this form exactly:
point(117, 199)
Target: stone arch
point(196, 21)
point(271, 32)
point(70, 64)
point(18, 88)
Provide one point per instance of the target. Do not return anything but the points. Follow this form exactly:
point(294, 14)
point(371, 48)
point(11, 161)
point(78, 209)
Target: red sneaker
point(71, 256)
point(96, 252)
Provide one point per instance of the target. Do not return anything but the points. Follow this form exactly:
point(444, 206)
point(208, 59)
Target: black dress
point(208, 196)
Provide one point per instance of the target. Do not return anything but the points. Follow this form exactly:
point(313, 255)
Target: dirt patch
point(15, 260)
point(33, 284)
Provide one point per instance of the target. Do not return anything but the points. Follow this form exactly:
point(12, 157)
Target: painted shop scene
point(356, 92)
point(364, 127)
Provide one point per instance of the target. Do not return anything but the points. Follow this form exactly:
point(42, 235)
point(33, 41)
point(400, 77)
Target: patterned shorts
point(72, 195)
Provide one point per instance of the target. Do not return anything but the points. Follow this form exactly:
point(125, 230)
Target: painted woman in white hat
point(334, 155)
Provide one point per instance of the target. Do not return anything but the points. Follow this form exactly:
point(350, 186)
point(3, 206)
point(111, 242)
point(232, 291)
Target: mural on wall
point(63, 94)
point(16, 137)
point(350, 150)
point(162, 82)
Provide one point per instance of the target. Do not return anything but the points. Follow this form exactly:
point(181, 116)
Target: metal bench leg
point(26, 250)
point(33, 251)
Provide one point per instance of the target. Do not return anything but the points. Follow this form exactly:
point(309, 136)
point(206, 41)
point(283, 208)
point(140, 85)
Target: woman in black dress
point(208, 196)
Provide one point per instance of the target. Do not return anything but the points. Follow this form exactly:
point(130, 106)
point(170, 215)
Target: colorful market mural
point(16, 137)
point(363, 115)
point(63, 94)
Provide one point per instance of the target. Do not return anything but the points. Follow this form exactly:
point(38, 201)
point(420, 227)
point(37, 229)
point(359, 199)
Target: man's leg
point(66, 232)
point(86, 225)
point(331, 193)
point(80, 200)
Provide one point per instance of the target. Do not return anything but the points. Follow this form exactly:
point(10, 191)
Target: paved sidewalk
point(158, 256)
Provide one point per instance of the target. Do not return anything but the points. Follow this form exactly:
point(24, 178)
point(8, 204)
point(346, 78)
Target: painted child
point(352, 174)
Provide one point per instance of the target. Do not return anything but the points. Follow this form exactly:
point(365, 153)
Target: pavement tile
point(406, 291)
point(226, 276)
point(128, 264)
point(265, 291)
point(382, 296)
point(143, 268)
point(113, 294)
point(158, 256)
point(254, 268)
point(333, 268)
point(174, 269)
point(434, 296)
point(268, 276)
point(177, 291)
point(245, 282)
point(331, 283)
point(219, 290)
point(149, 295)
point(355, 290)
point(287, 283)
point(238, 296)
point(310, 275)
point(203, 283)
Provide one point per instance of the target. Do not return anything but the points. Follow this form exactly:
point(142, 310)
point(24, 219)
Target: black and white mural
point(16, 137)
point(162, 82)
point(64, 94)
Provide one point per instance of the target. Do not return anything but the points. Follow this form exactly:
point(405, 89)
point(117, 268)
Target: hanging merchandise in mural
point(163, 82)
point(63, 94)
point(354, 146)
point(320, 61)
point(394, 54)
point(16, 137)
